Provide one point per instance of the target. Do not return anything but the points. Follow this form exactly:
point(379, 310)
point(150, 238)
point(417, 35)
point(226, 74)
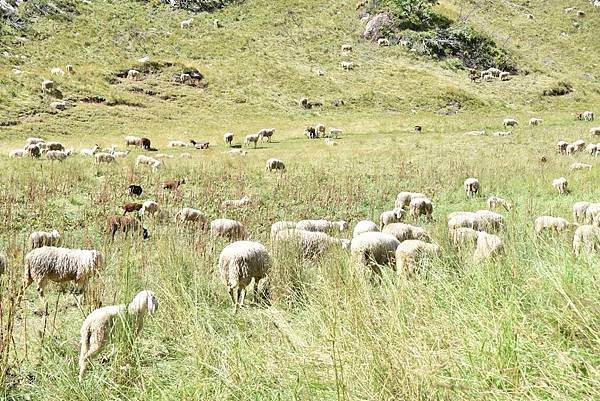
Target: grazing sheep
point(383, 42)
point(50, 263)
point(237, 152)
point(592, 213)
point(149, 207)
point(489, 221)
point(570, 149)
point(57, 71)
point(557, 224)
point(200, 145)
point(104, 158)
point(311, 132)
point(404, 198)
point(410, 254)
point(131, 207)
point(274, 164)
point(347, 65)
point(57, 155)
point(231, 229)
point(33, 150)
point(561, 185)
point(254, 138)
point(188, 214)
point(47, 85)
point(580, 166)
point(133, 74)
point(146, 144)
point(39, 239)
point(509, 122)
point(504, 76)
point(391, 216)
point(281, 225)
point(347, 48)
point(149, 161)
point(135, 190)
point(587, 239)
point(133, 140)
point(310, 244)
point(579, 145)
point(561, 147)
point(458, 220)
point(177, 144)
point(99, 325)
point(266, 133)
point(55, 146)
point(373, 249)
point(471, 186)
point(17, 153)
point(579, 210)
point(335, 132)
point(125, 224)
point(364, 226)
point(241, 262)
point(464, 237)
point(535, 121)
point(236, 203)
point(70, 69)
point(186, 23)
point(594, 131)
point(421, 207)
point(587, 116)
point(216, 23)
point(494, 202)
point(491, 71)
point(173, 184)
point(322, 225)
point(89, 151)
point(403, 232)
point(228, 138)
point(529, 16)
point(487, 245)
point(592, 148)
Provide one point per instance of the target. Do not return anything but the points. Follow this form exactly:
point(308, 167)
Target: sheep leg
point(242, 297)
point(234, 297)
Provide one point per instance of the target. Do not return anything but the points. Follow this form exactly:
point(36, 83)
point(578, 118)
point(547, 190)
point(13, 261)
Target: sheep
point(587, 239)
point(34, 141)
point(38, 239)
point(274, 164)
point(133, 74)
point(391, 216)
point(135, 190)
point(311, 132)
point(173, 184)
point(149, 207)
point(535, 121)
point(570, 149)
point(266, 133)
point(557, 224)
point(237, 152)
point(239, 263)
point(579, 145)
point(364, 226)
point(131, 207)
point(311, 244)
point(421, 207)
point(200, 145)
point(186, 23)
point(47, 85)
point(592, 148)
point(89, 151)
point(346, 47)
point(227, 228)
point(373, 249)
point(591, 213)
point(216, 23)
point(509, 122)
point(281, 225)
point(579, 210)
point(504, 76)
point(458, 220)
point(561, 147)
point(383, 42)
point(464, 237)
point(560, 184)
point(125, 224)
point(494, 202)
point(33, 150)
point(471, 186)
point(149, 161)
point(55, 146)
point(335, 132)
point(529, 16)
point(347, 65)
point(411, 252)
point(228, 138)
point(587, 116)
point(177, 144)
point(487, 245)
point(403, 232)
point(580, 166)
point(3, 263)
point(133, 140)
point(320, 129)
point(121, 155)
point(322, 225)
point(253, 138)
point(491, 71)
point(237, 203)
point(56, 264)
point(57, 71)
point(101, 323)
point(489, 221)
point(594, 131)
point(104, 158)
point(57, 155)
point(70, 69)
point(188, 214)
point(17, 153)
point(146, 144)
point(404, 198)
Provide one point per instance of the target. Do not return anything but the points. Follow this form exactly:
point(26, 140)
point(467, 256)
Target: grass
point(524, 326)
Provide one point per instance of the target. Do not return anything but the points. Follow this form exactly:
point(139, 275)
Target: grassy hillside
point(521, 326)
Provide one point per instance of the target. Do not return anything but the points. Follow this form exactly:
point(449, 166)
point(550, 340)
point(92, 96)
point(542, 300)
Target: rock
point(378, 26)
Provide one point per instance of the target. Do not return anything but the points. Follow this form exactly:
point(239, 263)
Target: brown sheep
point(173, 184)
point(146, 143)
point(131, 207)
point(125, 224)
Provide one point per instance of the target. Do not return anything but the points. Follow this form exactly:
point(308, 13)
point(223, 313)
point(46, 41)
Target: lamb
point(383, 42)
point(50, 263)
point(231, 229)
point(39, 239)
point(364, 226)
point(267, 133)
point(561, 147)
point(125, 224)
point(252, 139)
point(509, 122)
point(570, 149)
point(173, 184)
point(281, 225)
point(594, 131)
point(335, 132)
point(133, 140)
point(557, 224)
point(89, 151)
point(403, 232)
point(133, 74)
point(322, 225)
point(535, 121)
point(55, 146)
point(587, 239)
point(47, 85)
point(135, 190)
point(471, 186)
point(580, 166)
point(311, 132)
point(99, 325)
point(237, 203)
point(33, 150)
point(177, 144)
point(188, 214)
point(310, 244)
point(347, 48)
point(149, 161)
point(149, 207)
point(186, 23)
point(228, 138)
point(104, 158)
point(561, 185)
point(373, 249)
point(494, 202)
point(421, 207)
point(411, 252)
point(17, 153)
point(131, 207)
point(404, 198)
point(274, 164)
point(579, 210)
point(241, 262)
point(391, 216)
point(487, 245)
point(347, 65)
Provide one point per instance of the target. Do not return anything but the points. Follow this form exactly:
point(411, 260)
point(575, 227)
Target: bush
point(561, 88)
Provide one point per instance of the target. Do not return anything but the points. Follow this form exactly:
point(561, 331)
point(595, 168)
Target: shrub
point(561, 88)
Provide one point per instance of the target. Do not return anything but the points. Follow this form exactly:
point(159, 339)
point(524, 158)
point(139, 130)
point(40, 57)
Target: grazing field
point(523, 325)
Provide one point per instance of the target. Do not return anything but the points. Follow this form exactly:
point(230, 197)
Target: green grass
point(524, 326)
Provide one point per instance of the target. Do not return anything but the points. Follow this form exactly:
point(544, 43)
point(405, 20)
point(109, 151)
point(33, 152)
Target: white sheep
point(320, 129)
point(383, 42)
point(464, 237)
point(587, 116)
point(580, 166)
point(188, 214)
point(494, 202)
point(53, 145)
point(39, 239)
point(592, 213)
point(579, 209)
point(274, 164)
point(311, 244)
point(104, 157)
point(487, 245)
point(489, 221)
point(235, 203)
point(587, 239)
point(561, 147)
point(347, 65)
point(177, 144)
point(475, 133)
point(281, 225)
point(100, 325)
point(50, 263)
point(149, 207)
point(228, 138)
point(133, 140)
point(227, 228)
point(373, 249)
point(335, 132)
point(570, 149)
point(237, 152)
point(579, 145)
point(239, 263)
point(70, 69)
point(17, 153)
point(34, 141)
point(57, 155)
point(322, 225)
point(149, 161)
point(47, 85)
point(534, 121)
point(509, 122)
point(133, 74)
point(592, 148)
point(421, 207)
point(364, 226)
point(404, 198)
point(560, 184)
point(216, 23)
point(495, 72)
point(551, 223)
point(471, 186)
point(391, 216)
point(186, 23)
point(594, 131)
point(57, 71)
point(403, 232)
point(89, 151)
point(252, 138)
point(504, 76)
point(458, 220)
point(410, 253)
point(266, 133)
